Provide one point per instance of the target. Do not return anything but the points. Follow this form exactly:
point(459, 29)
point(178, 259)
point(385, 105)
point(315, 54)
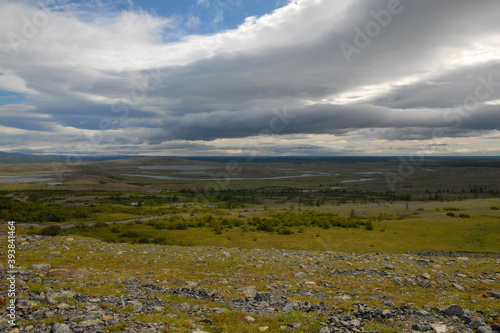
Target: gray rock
point(324, 330)
point(476, 323)
point(398, 281)
point(40, 267)
point(88, 324)
point(484, 329)
point(300, 275)
point(63, 293)
point(149, 330)
point(439, 328)
point(131, 281)
point(249, 319)
point(453, 310)
point(356, 323)
point(289, 306)
point(494, 294)
point(4, 323)
point(423, 313)
point(386, 313)
point(183, 307)
point(421, 328)
point(60, 328)
point(137, 305)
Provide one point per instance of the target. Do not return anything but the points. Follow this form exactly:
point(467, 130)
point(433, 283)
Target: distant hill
point(15, 158)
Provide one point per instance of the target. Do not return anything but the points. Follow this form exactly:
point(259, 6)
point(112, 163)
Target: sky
point(260, 77)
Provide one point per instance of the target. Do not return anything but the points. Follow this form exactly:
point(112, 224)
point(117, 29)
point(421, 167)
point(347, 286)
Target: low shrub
point(51, 230)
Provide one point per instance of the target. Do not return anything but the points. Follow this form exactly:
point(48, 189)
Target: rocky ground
point(76, 284)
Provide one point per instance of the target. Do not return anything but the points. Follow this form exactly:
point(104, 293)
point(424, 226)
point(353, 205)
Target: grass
point(432, 230)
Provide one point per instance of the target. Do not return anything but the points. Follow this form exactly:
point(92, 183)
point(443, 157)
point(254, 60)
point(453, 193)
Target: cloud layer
point(314, 77)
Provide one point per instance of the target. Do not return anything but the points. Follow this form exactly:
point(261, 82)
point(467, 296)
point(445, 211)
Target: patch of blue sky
point(9, 97)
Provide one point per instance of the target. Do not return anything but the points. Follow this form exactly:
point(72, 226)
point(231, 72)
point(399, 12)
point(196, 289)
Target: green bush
point(143, 240)
point(81, 225)
point(494, 208)
point(130, 234)
point(51, 230)
point(160, 225)
point(450, 214)
point(181, 225)
point(464, 215)
point(160, 240)
point(369, 225)
point(285, 231)
point(115, 229)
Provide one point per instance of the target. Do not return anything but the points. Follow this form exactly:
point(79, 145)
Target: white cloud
point(193, 22)
point(205, 3)
point(402, 86)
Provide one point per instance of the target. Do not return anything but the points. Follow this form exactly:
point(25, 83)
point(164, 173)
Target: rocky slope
point(82, 285)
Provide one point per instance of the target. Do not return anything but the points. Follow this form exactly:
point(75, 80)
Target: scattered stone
point(40, 267)
point(60, 328)
point(462, 259)
point(426, 276)
point(453, 310)
point(398, 281)
point(484, 329)
point(249, 292)
point(250, 319)
point(183, 307)
point(324, 330)
point(476, 323)
point(300, 275)
point(439, 328)
point(91, 323)
point(191, 284)
point(264, 328)
point(494, 294)
point(421, 328)
point(459, 287)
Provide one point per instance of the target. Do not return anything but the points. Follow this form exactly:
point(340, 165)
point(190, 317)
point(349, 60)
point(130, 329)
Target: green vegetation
point(438, 209)
point(51, 230)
